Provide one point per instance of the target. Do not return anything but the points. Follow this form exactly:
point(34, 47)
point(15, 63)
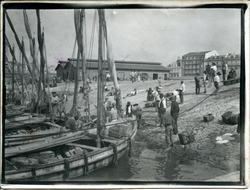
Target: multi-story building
point(232, 60)
point(193, 62)
point(175, 70)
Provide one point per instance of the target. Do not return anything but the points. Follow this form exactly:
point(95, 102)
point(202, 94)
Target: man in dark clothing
point(71, 123)
point(197, 83)
point(174, 111)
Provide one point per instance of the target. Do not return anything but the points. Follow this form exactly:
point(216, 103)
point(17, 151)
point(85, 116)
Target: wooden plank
point(53, 124)
point(83, 146)
point(110, 141)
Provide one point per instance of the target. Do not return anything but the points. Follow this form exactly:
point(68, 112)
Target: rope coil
point(114, 163)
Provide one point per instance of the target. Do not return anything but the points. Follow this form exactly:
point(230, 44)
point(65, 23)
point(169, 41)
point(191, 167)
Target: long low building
point(148, 70)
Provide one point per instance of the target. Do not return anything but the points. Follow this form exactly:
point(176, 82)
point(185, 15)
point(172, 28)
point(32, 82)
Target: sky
point(150, 35)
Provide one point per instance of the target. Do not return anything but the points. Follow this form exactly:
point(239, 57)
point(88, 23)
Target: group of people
point(135, 76)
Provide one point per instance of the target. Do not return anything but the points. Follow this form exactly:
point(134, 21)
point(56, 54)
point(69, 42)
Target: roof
point(62, 64)
point(196, 53)
point(124, 62)
point(228, 56)
point(121, 65)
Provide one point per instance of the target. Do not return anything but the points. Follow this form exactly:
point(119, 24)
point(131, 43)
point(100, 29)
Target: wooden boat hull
point(76, 166)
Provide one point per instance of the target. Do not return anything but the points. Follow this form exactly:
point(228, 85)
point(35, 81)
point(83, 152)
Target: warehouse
point(148, 70)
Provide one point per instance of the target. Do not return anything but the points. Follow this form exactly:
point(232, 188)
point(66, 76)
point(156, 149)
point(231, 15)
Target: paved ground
point(217, 144)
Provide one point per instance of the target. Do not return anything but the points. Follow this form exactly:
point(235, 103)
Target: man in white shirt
point(216, 82)
point(181, 91)
point(162, 105)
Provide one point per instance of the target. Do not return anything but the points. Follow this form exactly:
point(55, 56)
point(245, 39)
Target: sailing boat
point(99, 147)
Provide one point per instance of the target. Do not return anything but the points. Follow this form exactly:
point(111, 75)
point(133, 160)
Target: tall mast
point(13, 70)
point(78, 26)
point(100, 80)
point(84, 72)
point(41, 74)
point(22, 78)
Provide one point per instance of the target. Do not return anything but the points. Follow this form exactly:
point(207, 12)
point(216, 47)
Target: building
point(193, 62)
point(149, 70)
point(175, 70)
point(232, 60)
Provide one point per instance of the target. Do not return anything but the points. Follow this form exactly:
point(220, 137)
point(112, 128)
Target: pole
point(22, 74)
point(100, 80)
point(13, 70)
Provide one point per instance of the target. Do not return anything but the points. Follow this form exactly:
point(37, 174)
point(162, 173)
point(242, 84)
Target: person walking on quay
point(137, 112)
point(224, 70)
point(54, 104)
point(139, 76)
point(162, 105)
point(197, 83)
point(174, 111)
point(216, 82)
point(205, 81)
point(181, 91)
point(166, 121)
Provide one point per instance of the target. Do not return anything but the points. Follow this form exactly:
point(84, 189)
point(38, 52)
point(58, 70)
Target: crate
point(208, 117)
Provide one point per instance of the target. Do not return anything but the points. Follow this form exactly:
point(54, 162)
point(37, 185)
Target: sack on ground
point(121, 130)
point(234, 119)
point(208, 117)
point(186, 138)
point(226, 117)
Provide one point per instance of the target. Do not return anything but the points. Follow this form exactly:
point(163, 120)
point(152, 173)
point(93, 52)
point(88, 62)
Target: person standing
point(162, 105)
point(129, 109)
point(132, 76)
point(174, 111)
point(166, 121)
point(213, 71)
point(54, 104)
point(137, 112)
point(62, 105)
point(139, 76)
point(197, 84)
point(205, 81)
point(181, 91)
point(224, 70)
point(216, 82)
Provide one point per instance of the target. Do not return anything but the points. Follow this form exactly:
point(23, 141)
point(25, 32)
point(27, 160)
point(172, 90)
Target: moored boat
point(75, 158)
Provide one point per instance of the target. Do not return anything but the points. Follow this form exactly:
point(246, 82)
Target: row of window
point(174, 75)
point(220, 62)
point(192, 71)
point(193, 57)
point(191, 66)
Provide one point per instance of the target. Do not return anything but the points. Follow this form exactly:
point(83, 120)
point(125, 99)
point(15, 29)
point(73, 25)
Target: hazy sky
point(157, 35)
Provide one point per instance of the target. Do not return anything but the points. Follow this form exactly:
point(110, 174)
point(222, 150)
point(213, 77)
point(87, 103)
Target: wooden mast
point(13, 70)
point(22, 73)
point(100, 80)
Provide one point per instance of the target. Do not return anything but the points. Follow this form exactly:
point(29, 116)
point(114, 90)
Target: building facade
point(193, 62)
point(148, 70)
point(175, 70)
point(232, 60)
